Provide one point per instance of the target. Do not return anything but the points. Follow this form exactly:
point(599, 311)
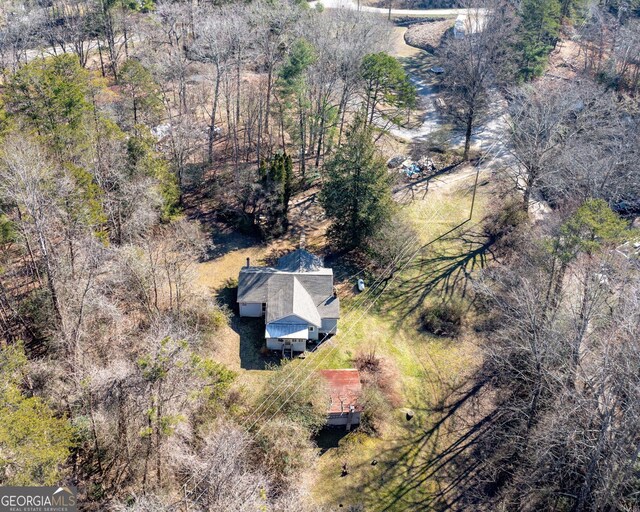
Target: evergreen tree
point(51, 95)
point(293, 92)
point(144, 103)
point(592, 227)
point(356, 195)
point(275, 192)
point(34, 442)
point(144, 160)
point(7, 230)
point(539, 32)
point(386, 82)
point(568, 8)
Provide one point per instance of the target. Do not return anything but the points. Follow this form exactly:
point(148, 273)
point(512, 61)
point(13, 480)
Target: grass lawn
point(428, 369)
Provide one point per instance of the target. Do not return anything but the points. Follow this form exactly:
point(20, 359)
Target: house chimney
point(248, 262)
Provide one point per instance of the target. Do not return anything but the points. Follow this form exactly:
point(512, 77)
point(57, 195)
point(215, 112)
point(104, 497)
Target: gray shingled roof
point(299, 261)
point(307, 294)
point(286, 297)
point(329, 308)
point(252, 283)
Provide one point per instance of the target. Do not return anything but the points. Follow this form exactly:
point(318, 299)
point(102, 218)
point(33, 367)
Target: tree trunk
point(320, 139)
point(267, 112)
point(583, 324)
point(467, 135)
point(303, 136)
point(214, 109)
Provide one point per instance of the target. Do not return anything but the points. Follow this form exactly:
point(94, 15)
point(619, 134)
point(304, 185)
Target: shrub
point(501, 223)
point(444, 319)
point(376, 410)
point(38, 309)
point(219, 317)
point(35, 441)
point(305, 405)
point(231, 282)
point(380, 392)
point(284, 459)
point(387, 248)
point(207, 315)
point(379, 373)
point(8, 232)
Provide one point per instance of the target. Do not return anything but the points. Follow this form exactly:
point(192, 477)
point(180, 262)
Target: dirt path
point(489, 133)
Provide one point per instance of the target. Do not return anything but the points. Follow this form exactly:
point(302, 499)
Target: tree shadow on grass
point(443, 268)
point(408, 188)
point(226, 239)
point(426, 467)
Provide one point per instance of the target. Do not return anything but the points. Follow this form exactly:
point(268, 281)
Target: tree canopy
point(34, 440)
point(356, 194)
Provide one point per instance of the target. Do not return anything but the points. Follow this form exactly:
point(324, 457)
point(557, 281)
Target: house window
point(311, 328)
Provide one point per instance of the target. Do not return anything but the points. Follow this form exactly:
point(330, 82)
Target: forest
point(477, 167)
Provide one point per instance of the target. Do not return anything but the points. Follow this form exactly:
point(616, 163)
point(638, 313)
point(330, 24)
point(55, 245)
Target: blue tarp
point(412, 170)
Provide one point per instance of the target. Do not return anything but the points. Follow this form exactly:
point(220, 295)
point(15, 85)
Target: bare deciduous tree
point(478, 61)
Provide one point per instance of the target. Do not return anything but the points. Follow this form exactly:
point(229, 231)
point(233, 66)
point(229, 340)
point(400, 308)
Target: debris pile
point(425, 166)
point(396, 161)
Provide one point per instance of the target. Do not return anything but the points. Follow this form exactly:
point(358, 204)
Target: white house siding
point(276, 344)
point(342, 419)
point(253, 309)
point(329, 325)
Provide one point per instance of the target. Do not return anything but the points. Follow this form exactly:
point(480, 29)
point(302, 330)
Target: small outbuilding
point(345, 396)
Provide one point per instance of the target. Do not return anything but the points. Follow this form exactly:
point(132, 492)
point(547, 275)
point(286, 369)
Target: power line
point(352, 326)
point(354, 307)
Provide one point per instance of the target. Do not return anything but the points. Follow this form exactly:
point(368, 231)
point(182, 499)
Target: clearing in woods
point(428, 368)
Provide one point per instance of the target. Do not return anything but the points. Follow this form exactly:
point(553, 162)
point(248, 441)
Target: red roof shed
point(345, 390)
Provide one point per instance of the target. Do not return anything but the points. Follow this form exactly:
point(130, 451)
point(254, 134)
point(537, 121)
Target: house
point(345, 392)
point(472, 22)
point(296, 298)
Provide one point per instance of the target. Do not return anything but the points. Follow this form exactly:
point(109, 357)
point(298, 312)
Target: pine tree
point(356, 195)
point(386, 82)
point(34, 442)
point(51, 95)
point(276, 184)
point(592, 227)
point(293, 93)
point(540, 29)
point(142, 93)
